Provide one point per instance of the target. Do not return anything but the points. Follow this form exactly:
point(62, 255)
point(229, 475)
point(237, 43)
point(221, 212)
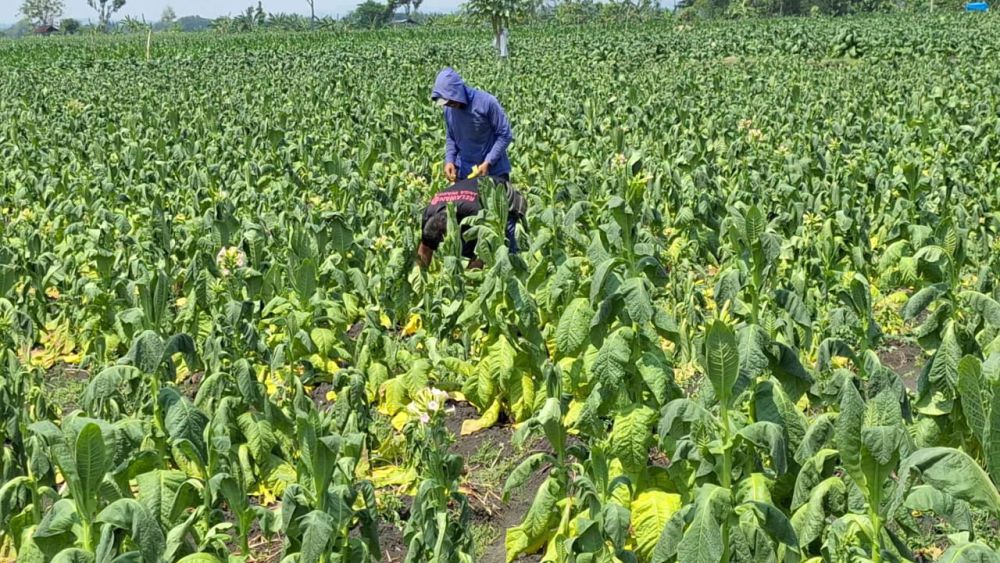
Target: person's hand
point(450, 172)
point(424, 255)
point(480, 171)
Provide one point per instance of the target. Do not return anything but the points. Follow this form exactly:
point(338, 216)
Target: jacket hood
point(450, 86)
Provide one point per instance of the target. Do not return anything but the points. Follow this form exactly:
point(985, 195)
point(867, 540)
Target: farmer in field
point(465, 195)
point(476, 129)
point(476, 138)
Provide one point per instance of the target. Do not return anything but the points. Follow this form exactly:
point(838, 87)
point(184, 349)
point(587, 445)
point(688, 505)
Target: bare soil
point(904, 358)
point(65, 384)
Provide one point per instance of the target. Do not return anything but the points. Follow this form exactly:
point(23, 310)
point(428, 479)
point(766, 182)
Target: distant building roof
point(46, 29)
point(403, 20)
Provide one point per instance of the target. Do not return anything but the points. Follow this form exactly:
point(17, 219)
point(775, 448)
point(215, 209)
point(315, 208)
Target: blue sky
point(152, 9)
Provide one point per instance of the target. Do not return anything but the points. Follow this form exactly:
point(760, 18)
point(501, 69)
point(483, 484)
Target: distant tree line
point(44, 15)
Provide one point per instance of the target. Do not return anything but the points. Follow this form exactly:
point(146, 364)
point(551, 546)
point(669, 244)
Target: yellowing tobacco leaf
point(487, 420)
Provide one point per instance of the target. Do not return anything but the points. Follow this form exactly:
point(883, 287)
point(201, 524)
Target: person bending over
point(465, 195)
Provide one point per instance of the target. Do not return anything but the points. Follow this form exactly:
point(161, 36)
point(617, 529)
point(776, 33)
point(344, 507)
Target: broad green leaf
point(755, 225)
point(638, 303)
point(147, 351)
point(943, 368)
point(969, 553)
point(325, 341)
point(753, 342)
point(992, 436)
point(813, 471)
point(972, 396)
point(768, 436)
point(921, 300)
point(658, 375)
point(184, 421)
point(925, 498)
point(671, 536)
point(132, 517)
point(684, 410)
point(91, 464)
point(158, 491)
point(721, 359)
point(574, 327)
point(73, 555)
point(819, 434)
point(754, 487)
point(702, 541)
point(532, 533)
point(199, 558)
point(319, 528)
point(523, 472)
point(775, 523)
point(954, 472)
point(616, 520)
point(828, 498)
point(984, 305)
point(259, 434)
point(612, 359)
point(771, 404)
point(848, 433)
point(631, 435)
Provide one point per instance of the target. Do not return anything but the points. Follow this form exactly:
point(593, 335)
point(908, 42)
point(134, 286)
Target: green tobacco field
point(756, 317)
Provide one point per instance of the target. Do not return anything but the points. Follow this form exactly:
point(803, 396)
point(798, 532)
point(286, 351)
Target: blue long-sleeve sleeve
point(450, 148)
point(501, 127)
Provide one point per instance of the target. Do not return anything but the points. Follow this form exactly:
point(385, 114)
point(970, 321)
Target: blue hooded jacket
point(476, 133)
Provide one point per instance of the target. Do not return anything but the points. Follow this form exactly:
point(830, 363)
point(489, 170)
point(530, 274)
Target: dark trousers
point(512, 219)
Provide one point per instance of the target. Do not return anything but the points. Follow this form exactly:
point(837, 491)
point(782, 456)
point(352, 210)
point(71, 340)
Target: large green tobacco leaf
point(541, 517)
point(91, 464)
point(769, 437)
point(942, 374)
point(132, 517)
point(986, 306)
point(318, 531)
point(921, 300)
point(631, 436)
point(828, 497)
point(147, 351)
point(969, 553)
point(184, 421)
point(953, 472)
point(703, 541)
point(574, 327)
point(73, 555)
point(638, 303)
point(721, 360)
point(848, 433)
point(925, 498)
point(612, 358)
point(259, 434)
point(992, 435)
point(973, 397)
point(158, 492)
point(523, 472)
